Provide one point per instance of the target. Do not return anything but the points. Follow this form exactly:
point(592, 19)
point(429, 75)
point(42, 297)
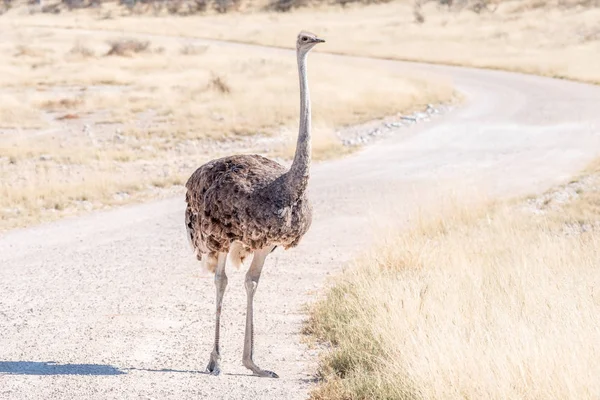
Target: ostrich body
point(246, 204)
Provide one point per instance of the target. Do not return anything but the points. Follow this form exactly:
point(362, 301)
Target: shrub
point(125, 47)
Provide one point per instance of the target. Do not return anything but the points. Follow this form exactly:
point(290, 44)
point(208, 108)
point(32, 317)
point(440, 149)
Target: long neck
point(300, 169)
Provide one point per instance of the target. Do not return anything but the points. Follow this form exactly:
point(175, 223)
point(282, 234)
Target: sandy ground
point(113, 305)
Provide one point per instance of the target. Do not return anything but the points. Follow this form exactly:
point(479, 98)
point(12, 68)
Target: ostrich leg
point(221, 283)
point(252, 277)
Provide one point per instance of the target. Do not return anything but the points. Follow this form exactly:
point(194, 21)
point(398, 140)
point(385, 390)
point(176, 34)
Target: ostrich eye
point(304, 39)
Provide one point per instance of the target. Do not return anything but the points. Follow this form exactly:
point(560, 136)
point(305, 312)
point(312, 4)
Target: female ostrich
point(249, 204)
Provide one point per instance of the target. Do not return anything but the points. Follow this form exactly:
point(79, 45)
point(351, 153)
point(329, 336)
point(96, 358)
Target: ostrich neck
point(300, 169)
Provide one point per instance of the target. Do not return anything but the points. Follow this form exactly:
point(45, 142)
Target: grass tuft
point(219, 84)
point(127, 47)
point(79, 49)
point(61, 103)
point(193, 50)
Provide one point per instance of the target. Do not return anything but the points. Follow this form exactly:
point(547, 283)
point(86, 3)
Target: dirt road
point(113, 305)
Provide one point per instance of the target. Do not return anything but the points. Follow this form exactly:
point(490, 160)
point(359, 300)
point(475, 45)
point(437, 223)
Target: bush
point(219, 84)
point(126, 47)
point(223, 6)
point(80, 49)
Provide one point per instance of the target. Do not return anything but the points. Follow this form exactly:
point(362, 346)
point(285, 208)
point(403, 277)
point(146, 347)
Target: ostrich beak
point(319, 40)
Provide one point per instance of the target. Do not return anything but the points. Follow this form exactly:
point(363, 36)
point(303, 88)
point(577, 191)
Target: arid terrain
point(75, 77)
point(93, 119)
point(552, 38)
point(456, 209)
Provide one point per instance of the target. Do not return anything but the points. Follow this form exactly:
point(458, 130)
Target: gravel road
point(113, 305)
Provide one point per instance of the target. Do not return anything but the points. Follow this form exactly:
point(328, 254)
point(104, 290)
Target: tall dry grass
point(501, 302)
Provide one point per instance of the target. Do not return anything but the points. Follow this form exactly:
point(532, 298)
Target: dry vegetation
point(558, 39)
point(88, 120)
point(497, 303)
point(157, 107)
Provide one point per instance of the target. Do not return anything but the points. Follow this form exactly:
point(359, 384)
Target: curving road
point(113, 305)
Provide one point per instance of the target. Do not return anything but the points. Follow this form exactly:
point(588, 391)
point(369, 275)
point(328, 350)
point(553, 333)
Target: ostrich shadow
point(53, 368)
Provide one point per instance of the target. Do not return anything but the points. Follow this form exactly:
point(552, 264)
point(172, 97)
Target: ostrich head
point(307, 41)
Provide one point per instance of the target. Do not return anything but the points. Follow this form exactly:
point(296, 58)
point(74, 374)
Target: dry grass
point(325, 145)
point(116, 128)
point(543, 38)
point(211, 93)
point(127, 47)
point(66, 103)
point(191, 49)
point(499, 302)
point(14, 112)
point(80, 49)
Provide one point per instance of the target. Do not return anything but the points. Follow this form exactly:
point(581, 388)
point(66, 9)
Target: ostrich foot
point(213, 367)
point(259, 372)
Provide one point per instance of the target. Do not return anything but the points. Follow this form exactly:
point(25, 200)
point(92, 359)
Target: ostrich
point(246, 204)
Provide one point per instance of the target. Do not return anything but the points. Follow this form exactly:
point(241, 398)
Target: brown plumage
point(245, 199)
point(249, 204)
